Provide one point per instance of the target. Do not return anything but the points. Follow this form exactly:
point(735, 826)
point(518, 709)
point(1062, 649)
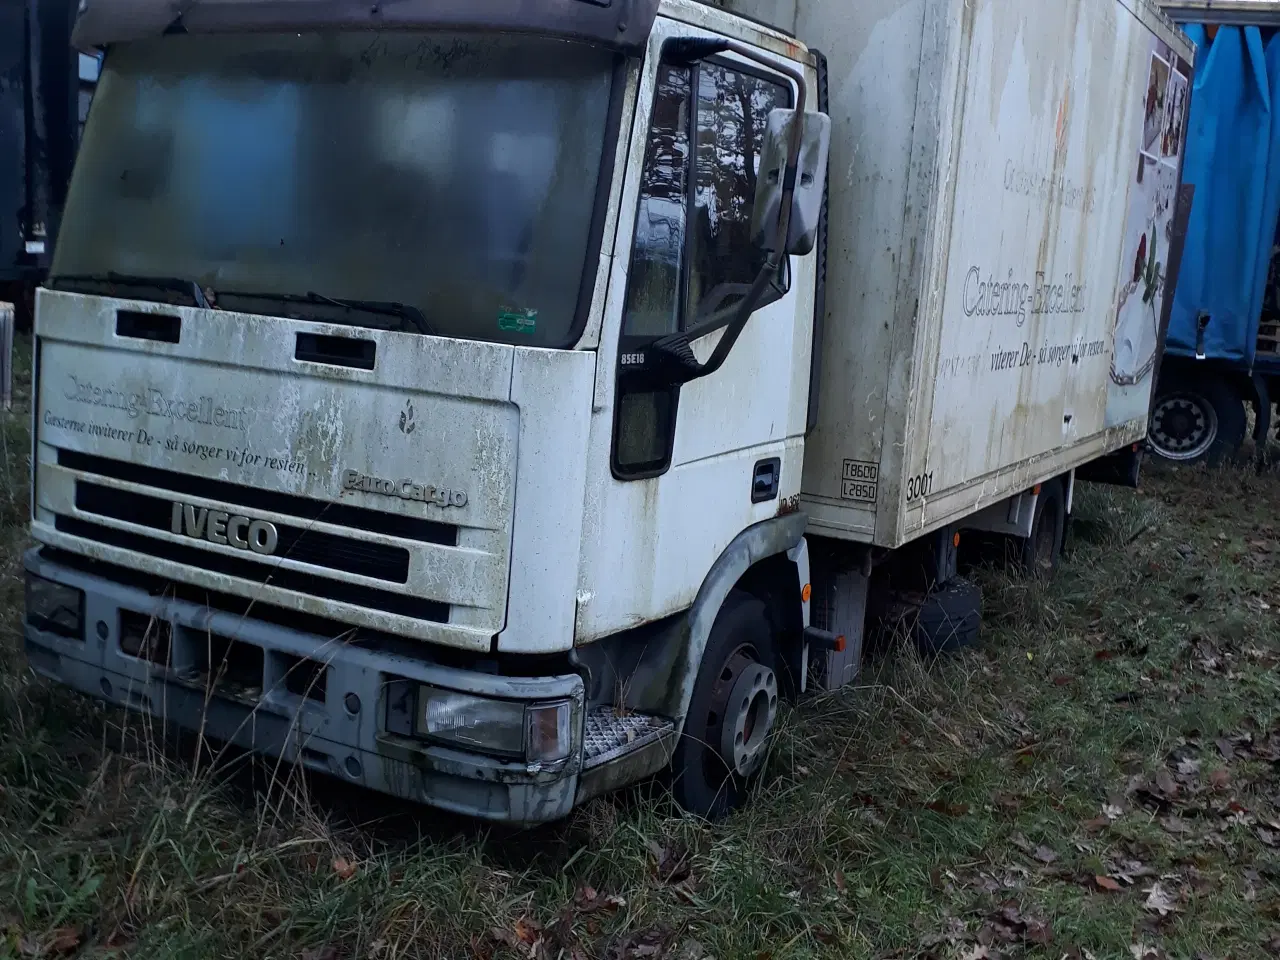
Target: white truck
point(497, 404)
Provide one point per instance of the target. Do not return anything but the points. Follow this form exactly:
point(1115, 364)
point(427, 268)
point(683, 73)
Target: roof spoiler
point(623, 25)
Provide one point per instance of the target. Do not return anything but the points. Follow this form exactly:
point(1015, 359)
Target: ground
point(1100, 779)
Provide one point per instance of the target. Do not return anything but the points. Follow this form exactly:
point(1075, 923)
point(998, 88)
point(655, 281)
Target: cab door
point(678, 470)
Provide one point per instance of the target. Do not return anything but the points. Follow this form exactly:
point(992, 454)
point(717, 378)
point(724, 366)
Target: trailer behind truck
point(45, 91)
point(495, 407)
point(1223, 355)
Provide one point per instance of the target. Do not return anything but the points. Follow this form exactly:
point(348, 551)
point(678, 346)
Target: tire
point(950, 619)
point(1198, 419)
point(738, 664)
point(1039, 553)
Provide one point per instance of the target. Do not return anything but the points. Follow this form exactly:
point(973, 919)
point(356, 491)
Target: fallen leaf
point(1175, 825)
point(1045, 855)
point(63, 940)
point(671, 863)
point(1188, 767)
point(588, 901)
point(1159, 901)
point(1131, 870)
point(527, 931)
point(344, 868)
point(1106, 883)
point(642, 943)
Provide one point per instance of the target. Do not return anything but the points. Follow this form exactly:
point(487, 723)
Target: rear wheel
point(1198, 419)
point(731, 714)
point(950, 619)
point(1040, 552)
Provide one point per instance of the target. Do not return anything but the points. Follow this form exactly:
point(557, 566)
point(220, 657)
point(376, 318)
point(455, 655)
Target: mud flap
point(840, 609)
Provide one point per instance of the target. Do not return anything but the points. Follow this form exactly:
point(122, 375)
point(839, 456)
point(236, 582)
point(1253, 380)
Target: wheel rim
point(1183, 426)
point(744, 705)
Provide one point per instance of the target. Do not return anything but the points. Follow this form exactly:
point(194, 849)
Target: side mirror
point(810, 182)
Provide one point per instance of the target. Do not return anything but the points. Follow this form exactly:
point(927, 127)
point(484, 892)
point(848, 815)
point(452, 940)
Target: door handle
point(765, 479)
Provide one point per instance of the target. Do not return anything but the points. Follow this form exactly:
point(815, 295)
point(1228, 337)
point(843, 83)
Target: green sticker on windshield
point(511, 320)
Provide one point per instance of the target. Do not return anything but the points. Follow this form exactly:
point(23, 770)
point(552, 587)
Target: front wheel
point(731, 714)
point(1198, 419)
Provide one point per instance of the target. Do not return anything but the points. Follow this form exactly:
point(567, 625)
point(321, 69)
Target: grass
point(1098, 780)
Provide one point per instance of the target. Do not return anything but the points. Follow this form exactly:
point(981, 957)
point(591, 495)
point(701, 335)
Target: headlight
point(54, 608)
point(477, 723)
point(535, 732)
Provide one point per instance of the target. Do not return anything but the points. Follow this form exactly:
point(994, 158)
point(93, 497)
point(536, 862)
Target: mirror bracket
point(675, 360)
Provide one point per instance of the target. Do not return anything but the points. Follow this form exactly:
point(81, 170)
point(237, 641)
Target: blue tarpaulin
point(1233, 158)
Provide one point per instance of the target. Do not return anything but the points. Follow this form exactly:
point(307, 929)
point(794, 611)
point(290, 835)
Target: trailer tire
point(950, 619)
point(1198, 418)
point(726, 733)
point(1040, 552)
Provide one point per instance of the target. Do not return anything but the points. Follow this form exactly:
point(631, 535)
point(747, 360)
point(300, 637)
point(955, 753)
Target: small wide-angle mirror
point(811, 176)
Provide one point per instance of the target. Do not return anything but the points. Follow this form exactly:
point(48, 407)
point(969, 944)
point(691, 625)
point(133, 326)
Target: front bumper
point(335, 725)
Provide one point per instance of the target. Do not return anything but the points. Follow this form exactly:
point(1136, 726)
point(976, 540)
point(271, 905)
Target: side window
point(733, 108)
point(692, 259)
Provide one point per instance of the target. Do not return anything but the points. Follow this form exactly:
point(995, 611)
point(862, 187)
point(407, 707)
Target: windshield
point(455, 175)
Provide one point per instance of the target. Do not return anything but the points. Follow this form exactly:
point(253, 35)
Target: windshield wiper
point(177, 284)
point(410, 317)
point(392, 308)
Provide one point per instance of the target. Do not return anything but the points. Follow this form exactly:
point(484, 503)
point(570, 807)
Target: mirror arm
point(676, 346)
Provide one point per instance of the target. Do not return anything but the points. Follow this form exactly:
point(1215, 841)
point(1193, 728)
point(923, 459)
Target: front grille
point(304, 509)
point(305, 546)
point(256, 571)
